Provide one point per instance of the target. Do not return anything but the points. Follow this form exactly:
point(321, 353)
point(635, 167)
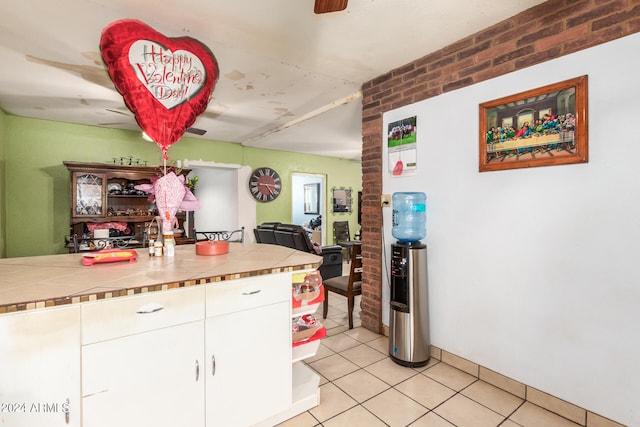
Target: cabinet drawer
point(242, 294)
point(118, 317)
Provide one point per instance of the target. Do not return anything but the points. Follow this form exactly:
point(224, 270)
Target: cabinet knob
point(252, 292)
point(197, 371)
point(213, 365)
point(150, 308)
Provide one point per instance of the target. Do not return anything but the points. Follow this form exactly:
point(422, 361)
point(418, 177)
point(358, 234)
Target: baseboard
point(565, 409)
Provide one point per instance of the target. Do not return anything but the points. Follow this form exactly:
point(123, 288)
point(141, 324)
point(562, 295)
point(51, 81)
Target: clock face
point(265, 184)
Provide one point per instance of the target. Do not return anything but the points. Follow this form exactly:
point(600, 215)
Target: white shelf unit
point(305, 382)
point(306, 392)
point(306, 388)
point(304, 351)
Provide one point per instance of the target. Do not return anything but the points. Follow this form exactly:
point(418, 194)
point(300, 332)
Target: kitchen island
point(184, 340)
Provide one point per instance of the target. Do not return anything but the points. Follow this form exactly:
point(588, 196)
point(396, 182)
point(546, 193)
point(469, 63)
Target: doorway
point(308, 202)
point(223, 204)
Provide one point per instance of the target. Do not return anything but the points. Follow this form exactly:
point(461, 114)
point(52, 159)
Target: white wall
point(534, 272)
point(223, 206)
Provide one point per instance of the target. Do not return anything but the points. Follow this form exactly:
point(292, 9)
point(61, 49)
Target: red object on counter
point(212, 247)
point(109, 255)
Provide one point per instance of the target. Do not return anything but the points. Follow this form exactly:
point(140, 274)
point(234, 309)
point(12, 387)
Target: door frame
point(323, 198)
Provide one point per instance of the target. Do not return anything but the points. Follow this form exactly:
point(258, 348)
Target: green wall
point(339, 173)
point(36, 183)
point(3, 140)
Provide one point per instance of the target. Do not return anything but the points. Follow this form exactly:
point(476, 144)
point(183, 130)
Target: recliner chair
point(265, 233)
point(296, 237)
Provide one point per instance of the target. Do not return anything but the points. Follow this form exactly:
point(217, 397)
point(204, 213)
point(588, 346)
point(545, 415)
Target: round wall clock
point(265, 184)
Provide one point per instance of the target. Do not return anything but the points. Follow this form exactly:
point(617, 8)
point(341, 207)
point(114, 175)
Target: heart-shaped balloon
point(166, 82)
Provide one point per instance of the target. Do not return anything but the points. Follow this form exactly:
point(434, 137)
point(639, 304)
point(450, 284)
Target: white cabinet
point(143, 360)
point(151, 379)
point(248, 346)
point(123, 316)
point(155, 359)
point(213, 355)
point(249, 373)
point(40, 368)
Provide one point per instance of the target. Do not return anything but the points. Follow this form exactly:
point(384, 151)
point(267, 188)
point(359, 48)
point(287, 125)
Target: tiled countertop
point(43, 281)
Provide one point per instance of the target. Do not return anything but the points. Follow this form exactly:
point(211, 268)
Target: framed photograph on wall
point(312, 199)
point(540, 127)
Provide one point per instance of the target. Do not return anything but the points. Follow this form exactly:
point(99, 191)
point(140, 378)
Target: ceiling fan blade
point(111, 110)
point(196, 131)
point(326, 6)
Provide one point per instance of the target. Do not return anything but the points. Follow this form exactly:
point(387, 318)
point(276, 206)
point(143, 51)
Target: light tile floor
point(361, 386)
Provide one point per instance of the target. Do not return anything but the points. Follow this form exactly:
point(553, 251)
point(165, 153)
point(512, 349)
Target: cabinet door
point(88, 195)
point(154, 378)
point(40, 368)
point(248, 366)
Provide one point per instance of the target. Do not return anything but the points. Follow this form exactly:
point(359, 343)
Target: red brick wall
point(550, 30)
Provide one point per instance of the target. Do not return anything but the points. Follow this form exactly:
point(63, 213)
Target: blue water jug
point(409, 216)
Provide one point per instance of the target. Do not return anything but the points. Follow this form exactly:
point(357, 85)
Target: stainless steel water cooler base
point(409, 317)
point(410, 350)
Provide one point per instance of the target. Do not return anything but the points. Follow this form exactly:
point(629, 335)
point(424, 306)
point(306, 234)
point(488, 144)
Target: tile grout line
point(416, 372)
point(345, 392)
point(526, 391)
point(336, 317)
point(390, 387)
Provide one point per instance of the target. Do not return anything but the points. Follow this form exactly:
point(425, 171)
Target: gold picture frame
point(548, 126)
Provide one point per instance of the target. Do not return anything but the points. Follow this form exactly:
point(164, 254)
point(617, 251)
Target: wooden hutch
point(104, 194)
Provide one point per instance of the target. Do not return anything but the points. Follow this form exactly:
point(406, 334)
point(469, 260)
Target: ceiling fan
point(195, 131)
point(326, 6)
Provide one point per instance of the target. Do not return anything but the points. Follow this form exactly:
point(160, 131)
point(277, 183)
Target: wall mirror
point(312, 199)
point(341, 199)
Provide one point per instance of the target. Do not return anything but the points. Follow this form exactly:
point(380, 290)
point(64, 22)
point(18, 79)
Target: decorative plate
point(114, 187)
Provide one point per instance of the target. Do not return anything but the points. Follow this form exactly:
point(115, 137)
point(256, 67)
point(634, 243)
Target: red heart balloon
point(166, 82)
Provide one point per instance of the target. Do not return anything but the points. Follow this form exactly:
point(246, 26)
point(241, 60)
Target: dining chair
point(342, 237)
point(341, 232)
point(348, 286)
point(229, 235)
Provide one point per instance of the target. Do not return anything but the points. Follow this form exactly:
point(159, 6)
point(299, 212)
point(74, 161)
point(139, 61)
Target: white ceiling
point(289, 79)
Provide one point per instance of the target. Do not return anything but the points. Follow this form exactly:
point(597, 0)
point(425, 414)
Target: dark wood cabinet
point(105, 193)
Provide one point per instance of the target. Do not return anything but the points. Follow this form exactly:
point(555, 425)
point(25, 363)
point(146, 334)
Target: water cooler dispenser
point(409, 313)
